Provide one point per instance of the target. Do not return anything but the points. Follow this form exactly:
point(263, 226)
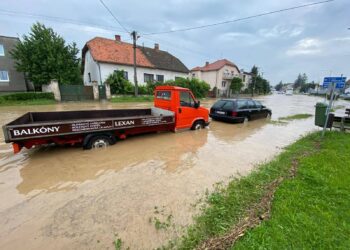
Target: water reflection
point(228, 133)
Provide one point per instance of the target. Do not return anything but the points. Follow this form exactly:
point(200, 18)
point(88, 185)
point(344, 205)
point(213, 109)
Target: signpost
point(335, 83)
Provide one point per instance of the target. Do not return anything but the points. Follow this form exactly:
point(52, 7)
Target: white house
point(102, 56)
point(218, 74)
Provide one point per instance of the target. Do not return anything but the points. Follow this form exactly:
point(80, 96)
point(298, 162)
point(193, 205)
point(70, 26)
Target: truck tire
point(99, 141)
point(197, 125)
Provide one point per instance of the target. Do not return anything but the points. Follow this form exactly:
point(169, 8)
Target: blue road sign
point(338, 81)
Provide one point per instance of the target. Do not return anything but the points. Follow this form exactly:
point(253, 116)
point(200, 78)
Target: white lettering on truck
point(35, 131)
point(124, 123)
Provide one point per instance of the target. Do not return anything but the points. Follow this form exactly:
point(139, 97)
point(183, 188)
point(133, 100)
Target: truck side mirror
point(197, 104)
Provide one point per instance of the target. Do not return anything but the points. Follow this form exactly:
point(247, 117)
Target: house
point(10, 79)
point(218, 74)
point(247, 78)
point(102, 56)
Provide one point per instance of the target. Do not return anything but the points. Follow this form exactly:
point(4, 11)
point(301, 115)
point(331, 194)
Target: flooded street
point(67, 198)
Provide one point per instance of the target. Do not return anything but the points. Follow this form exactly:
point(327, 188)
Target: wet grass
point(118, 244)
point(310, 211)
point(27, 102)
point(127, 98)
point(295, 117)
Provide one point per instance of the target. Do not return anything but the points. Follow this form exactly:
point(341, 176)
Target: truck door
point(186, 111)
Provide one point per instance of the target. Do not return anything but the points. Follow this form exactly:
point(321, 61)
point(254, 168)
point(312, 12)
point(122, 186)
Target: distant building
point(218, 74)
point(10, 79)
point(102, 56)
point(247, 78)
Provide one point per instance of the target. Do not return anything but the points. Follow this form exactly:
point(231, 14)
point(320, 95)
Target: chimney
point(117, 38)
point(156, 46)
point(206, 63)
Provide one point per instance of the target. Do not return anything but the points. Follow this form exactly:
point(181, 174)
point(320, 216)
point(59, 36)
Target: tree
point(236, 85)
point(300, 81)
point(279, 86)
point(252, 85)
point(43, 55)
point(118, 83)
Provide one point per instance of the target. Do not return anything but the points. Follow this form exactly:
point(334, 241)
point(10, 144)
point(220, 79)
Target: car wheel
point(197, 125)
point(100, 141)
point(268, 115)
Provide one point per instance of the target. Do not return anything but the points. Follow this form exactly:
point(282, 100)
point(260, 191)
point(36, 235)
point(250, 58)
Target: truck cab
point(187, 110)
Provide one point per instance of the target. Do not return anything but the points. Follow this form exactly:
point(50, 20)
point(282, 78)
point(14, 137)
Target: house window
point(223, 84)
point(126, 75)
point(148, 77)
point(4, 76)
point(2, 51)
point(89, 75)
point(244, 78)
point(193, 74)
point(160, 78)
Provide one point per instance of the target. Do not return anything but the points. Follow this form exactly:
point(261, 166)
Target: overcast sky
point(314, 40)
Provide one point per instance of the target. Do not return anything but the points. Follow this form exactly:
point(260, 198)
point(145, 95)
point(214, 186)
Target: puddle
point(64, 197)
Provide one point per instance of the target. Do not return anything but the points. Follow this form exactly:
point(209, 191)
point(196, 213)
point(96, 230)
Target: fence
point(76, 92)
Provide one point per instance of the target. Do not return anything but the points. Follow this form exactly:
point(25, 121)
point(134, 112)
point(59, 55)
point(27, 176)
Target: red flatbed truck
point(174, 108)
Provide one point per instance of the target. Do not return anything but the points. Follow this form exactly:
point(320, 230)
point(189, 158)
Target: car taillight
point(234, 113)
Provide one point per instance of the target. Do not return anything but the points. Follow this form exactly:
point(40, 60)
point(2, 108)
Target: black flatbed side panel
point(82, 126)
point(37, 117)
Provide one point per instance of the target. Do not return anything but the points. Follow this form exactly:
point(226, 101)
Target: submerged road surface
point(141, 190)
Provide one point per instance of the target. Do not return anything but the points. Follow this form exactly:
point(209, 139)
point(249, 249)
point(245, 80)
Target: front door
point(185, 112)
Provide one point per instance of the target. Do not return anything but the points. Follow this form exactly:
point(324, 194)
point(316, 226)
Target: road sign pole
point(328, 109)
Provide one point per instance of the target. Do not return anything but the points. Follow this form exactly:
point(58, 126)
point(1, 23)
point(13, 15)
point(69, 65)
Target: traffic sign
point(338, 81)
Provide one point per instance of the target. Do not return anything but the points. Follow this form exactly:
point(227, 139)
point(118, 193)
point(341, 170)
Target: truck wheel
point(99, 141)
point(197, 125)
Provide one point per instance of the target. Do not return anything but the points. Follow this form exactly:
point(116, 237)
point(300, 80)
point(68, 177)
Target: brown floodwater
point(67, 198)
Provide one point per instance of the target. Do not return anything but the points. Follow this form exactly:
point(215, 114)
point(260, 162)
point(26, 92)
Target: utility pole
point(134, 38)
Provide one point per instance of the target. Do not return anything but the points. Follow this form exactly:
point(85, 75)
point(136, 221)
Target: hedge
point(27, 96)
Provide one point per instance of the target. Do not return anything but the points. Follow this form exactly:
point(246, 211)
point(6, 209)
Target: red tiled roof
point(215, 65)
point(112, 51)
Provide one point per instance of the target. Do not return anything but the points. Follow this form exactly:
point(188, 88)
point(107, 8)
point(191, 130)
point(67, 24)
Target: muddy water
point(67, 198)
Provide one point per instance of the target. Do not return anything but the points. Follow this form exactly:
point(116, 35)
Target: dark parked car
point(238, 110)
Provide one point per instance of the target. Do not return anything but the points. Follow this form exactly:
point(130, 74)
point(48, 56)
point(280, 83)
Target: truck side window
point(186, 99)
point(165, 95)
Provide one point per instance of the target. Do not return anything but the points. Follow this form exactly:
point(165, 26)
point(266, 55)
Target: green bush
point(27, 96)
point(198, 87)
point(119, 85)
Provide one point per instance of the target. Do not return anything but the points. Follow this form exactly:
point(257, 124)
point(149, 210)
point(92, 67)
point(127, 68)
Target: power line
point(115, 18)
point(57, 19)
point(240, 19)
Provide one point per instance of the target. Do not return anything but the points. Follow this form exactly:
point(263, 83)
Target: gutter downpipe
point(99, 72)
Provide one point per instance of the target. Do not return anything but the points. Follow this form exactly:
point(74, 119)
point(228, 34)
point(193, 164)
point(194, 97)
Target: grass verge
point(308, 211)
point(126, 98)
point(295, 117)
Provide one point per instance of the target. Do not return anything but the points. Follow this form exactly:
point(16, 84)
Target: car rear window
point(228, 106)
point(219, 104)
